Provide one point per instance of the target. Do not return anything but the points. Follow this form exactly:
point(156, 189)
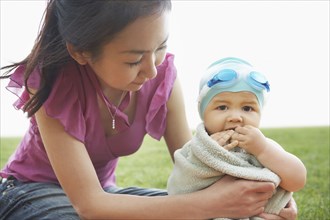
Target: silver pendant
point(113, 124)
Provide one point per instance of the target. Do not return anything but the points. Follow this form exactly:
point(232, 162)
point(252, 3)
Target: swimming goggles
point(226, 78)
point(231, 80)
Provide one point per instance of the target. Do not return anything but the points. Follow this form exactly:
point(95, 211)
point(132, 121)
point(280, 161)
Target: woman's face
point(130, 59)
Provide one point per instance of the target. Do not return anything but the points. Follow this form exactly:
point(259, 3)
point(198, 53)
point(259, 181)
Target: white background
point(287, 40)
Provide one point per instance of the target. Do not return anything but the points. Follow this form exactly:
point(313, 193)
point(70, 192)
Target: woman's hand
point(290, 212)
point(237, 198)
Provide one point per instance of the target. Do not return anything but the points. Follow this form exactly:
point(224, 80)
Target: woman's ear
point(80, 57)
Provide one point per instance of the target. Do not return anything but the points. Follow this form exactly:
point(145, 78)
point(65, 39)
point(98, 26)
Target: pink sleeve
point(63, 102)
point(17, 87)
point(156, 116)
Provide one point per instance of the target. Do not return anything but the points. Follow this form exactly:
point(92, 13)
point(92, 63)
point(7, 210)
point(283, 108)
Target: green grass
point(151, 165)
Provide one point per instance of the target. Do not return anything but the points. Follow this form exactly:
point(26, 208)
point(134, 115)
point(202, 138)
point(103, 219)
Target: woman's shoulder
point(158, 91)
point(167, 66)
point(68, 99)
point(166, 73)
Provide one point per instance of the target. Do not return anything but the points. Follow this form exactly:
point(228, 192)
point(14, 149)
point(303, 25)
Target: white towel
point(201, 162)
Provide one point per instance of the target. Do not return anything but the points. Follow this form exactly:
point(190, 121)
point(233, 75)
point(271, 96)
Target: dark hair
point(87, 25)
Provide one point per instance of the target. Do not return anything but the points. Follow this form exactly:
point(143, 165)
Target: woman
point(97, 80)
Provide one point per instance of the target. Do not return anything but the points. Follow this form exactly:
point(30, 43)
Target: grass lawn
point(151, 165)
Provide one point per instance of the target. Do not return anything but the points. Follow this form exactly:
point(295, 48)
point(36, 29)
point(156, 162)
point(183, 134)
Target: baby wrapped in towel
point(229, 142)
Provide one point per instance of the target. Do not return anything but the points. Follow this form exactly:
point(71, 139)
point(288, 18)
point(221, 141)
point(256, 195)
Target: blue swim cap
point(230, 75)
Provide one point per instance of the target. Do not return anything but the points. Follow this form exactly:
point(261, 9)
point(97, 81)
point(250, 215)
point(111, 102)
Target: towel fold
point(201, 162)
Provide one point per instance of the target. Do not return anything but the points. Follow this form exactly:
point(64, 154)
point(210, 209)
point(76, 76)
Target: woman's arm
point(177, 130)
point(77, 177)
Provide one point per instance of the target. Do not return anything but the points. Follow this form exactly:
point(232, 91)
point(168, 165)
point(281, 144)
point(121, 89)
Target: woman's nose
point(149, 69)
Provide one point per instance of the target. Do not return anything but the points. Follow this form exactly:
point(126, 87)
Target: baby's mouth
point(231, 128)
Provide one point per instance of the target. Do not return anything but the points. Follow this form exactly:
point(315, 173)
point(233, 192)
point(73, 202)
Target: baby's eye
point(247, 108)
point(222, 107)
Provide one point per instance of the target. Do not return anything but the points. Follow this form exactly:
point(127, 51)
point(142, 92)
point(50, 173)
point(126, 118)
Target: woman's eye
point(222, 107)
point(134, 64)
point(247, 108)
point(162, 48)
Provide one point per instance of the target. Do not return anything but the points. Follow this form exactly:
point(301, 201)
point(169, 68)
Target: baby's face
point(227, 110)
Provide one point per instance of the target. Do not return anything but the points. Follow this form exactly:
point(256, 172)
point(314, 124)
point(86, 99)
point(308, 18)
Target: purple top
point(73, 101)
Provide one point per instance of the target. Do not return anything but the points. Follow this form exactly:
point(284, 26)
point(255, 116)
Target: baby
point(231, 96)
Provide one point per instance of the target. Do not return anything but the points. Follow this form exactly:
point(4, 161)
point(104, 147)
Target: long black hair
point(85, 24)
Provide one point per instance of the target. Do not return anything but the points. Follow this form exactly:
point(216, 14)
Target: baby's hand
point(250, 138)
point(224, 139)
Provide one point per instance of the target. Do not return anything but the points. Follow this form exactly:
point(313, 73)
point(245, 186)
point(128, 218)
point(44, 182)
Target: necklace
point(113, 116)
point(121, 104)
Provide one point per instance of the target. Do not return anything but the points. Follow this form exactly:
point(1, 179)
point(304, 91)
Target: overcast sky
point(287, 40)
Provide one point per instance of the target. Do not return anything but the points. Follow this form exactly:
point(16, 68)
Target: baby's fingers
point(223, 137)
point(231, 145)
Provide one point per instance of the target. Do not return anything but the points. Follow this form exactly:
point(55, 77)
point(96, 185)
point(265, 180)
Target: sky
point(286, 40)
